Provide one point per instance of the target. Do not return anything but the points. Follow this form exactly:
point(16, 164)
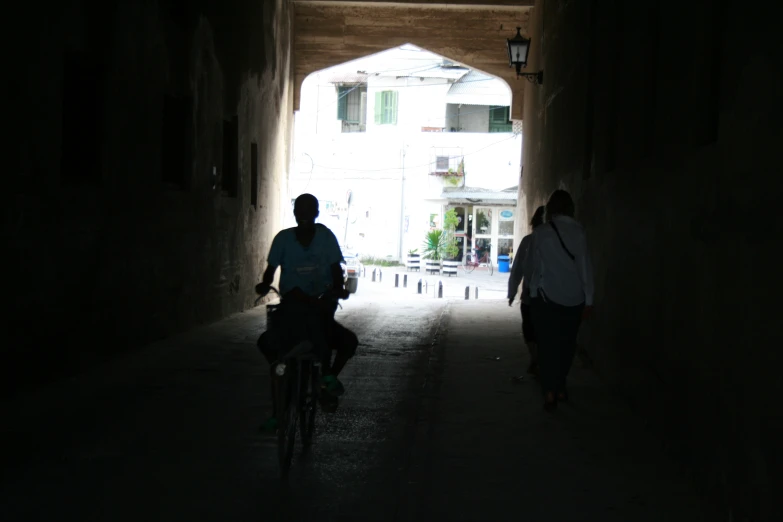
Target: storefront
point(489, 227)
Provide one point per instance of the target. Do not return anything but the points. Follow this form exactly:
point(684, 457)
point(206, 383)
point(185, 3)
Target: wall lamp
point(518, 48)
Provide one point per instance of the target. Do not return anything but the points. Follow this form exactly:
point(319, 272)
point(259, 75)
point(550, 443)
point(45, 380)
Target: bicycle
point(297, 386)
point(485, 260)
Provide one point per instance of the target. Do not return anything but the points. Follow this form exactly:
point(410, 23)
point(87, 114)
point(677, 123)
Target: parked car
point(352, 269)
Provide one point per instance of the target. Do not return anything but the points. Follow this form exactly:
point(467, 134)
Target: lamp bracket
point(536, 77)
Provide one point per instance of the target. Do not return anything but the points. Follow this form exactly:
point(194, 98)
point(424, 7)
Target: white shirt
point(548, 267)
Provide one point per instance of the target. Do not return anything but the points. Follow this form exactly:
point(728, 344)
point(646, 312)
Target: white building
point(400, 131)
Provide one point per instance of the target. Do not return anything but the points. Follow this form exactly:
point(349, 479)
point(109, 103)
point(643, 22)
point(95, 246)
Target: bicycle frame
point(297, 390)
point(485, 260)
point(296, 383)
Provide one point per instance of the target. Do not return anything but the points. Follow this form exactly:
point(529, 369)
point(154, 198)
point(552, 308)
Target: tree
point(450, 222)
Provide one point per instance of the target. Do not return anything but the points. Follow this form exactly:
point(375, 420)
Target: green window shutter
point(393, 108)
point(385, 106)
point(498, 119)
point(498, 114)
point(378, 108)
point(342, 103)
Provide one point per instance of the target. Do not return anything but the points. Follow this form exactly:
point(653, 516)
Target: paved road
point(432, 427)
point(171, 433)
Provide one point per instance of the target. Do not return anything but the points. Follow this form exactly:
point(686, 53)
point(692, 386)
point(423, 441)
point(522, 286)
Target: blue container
point(503, 263)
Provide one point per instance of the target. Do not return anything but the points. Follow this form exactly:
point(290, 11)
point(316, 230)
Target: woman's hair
point(559, 204)
point(538, 217)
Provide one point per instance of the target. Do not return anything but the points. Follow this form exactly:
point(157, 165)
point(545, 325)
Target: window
point(228, 182)
point(506, 222)
point(498, 119)
point(82, 120)
point(352, 107)
point(442, 164)
point(254, 175)
point(386, 108)
point(175, 169)
point(460, 220)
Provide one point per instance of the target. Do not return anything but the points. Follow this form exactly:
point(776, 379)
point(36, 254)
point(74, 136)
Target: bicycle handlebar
point(272, 288)
point(328, 293)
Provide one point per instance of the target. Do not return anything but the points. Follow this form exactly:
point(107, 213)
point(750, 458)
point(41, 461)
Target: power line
point(430, 85)
point(438, 84)
point(359, 84)
point(339, 97)
point(417, 166)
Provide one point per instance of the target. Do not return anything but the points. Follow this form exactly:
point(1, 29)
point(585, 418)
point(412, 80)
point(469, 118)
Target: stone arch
point(331, 34)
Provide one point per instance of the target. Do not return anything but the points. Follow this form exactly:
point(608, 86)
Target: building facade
point(383, 140)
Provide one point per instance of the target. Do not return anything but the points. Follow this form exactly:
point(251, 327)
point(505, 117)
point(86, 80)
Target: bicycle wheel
point(288, 395)
point(310, 386)
point(469, 268)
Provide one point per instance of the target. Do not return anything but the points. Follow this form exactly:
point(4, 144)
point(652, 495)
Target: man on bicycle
point(310, 260)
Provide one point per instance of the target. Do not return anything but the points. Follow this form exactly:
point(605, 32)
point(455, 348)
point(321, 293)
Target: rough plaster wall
point(683, 225)
point(98, 268)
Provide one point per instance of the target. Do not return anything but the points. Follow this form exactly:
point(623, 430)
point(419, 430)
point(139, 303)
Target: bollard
point(396, 280)
point(405, 281)
point(440, 289)
point(426, 287)
point(380, 275)
point(419, 285)
point(373, 274)
point(476, 292)
point(467, 293)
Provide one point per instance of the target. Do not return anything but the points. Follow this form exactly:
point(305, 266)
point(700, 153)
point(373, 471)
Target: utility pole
point(402, 201)
point(348, 198)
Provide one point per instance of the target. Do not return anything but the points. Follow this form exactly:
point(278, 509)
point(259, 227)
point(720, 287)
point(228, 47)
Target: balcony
point(447, 162)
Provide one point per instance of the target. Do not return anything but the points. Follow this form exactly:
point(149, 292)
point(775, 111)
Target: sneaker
point(331, 384)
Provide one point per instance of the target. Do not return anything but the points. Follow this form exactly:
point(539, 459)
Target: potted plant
point(454, 178)
point(450, 248)
point(450, 222)
point(434, 249)
point(414, 260)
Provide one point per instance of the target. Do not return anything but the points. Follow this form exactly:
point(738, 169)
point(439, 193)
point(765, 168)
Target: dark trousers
point(290, 329)
point(528, 333)
point(556, 328)
point(337, 338)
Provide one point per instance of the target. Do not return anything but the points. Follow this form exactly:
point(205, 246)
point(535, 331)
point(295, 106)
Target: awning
point(476, 88)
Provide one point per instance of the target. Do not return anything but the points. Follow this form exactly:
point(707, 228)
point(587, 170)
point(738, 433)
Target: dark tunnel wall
point(663, 120)
point(130, 215)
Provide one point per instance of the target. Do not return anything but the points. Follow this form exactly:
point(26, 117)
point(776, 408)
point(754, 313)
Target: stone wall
point(332, 33)
point(665, 126)
point(124, 223)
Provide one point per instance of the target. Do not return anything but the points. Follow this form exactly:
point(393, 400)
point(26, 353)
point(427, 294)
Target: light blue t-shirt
point(307, 268)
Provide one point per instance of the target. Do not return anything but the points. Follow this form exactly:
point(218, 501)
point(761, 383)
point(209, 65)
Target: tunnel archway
point(443, 110)
point(328, 34)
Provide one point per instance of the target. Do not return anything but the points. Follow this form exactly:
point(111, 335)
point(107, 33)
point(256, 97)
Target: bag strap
point(561, 241)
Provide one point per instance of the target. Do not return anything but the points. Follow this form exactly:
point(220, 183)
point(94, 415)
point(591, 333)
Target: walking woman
point(560, 275)
point(513, 285)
